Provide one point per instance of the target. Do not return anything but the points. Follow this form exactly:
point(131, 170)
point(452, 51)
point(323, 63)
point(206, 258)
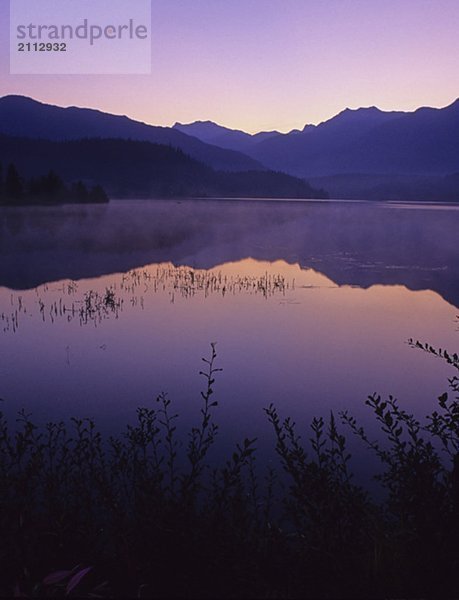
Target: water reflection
point(71, 301)
point(311, 306)
point(307, 345)
point(352, 244)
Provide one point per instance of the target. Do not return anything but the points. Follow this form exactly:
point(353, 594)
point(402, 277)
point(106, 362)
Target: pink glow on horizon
point(272, 64)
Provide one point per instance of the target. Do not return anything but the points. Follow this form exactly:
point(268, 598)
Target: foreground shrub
point(144, 515)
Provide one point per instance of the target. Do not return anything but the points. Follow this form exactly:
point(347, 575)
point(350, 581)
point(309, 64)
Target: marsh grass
point(146, 515)
point(69, 303)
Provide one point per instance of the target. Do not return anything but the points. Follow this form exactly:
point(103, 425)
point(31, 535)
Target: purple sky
point(272, 64)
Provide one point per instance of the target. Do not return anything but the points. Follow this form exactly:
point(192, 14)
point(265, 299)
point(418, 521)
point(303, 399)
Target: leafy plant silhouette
point(145, 514)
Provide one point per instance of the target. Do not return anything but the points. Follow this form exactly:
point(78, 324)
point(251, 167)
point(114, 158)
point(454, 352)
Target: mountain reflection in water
point(359, 244)
point(311, 305)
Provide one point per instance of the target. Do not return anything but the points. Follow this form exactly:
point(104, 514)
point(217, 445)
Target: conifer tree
point(14, 187)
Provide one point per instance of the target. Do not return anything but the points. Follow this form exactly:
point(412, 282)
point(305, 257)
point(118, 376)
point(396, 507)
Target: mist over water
point(310, 303)
point(353, 243)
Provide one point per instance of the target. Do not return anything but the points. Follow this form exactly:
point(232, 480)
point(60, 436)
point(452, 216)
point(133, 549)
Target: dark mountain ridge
point(134, 169)
point(233, 139)
point(363, 153)
point(24, 117)
point(365, 141)
point(371, 141)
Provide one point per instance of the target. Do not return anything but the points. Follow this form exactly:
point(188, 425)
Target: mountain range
point(231, 139)
point(365, 140)
point(129, 158)
point(24, 117)
point(364, 153)
point(136, 169)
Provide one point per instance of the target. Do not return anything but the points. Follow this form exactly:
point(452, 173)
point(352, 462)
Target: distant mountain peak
point(18, 99)
point(354, 118)
point(361, 111)
point(224, 137)
point(454, 105)
point(25, 117)
point(198, 122)
point(206, 131)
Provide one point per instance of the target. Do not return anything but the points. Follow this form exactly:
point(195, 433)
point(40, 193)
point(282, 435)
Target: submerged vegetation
point(70, 303)
point(145, 515)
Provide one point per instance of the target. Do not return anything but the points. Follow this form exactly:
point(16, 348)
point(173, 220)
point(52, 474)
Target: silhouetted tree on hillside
point(80, 192)
point(50, 187)
point(1, 184)
point(47, 189)
point(14, 187)
point(97, 195)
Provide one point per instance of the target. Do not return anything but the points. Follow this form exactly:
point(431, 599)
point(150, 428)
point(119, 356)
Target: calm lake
point(311, 305)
